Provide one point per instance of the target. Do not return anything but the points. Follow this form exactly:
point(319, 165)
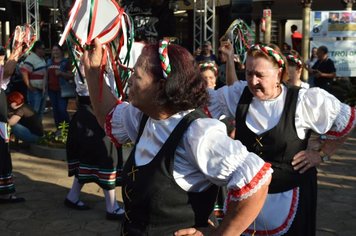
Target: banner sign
point(343, 53)
point(333, 24)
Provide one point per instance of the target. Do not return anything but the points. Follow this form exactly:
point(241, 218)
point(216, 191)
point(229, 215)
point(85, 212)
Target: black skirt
point(91, 156)
point(6, 181)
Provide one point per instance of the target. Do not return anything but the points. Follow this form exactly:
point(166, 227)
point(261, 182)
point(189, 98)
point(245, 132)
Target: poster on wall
point(332, 24)
point(343, 53)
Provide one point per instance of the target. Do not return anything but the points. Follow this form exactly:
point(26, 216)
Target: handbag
point(67, 88)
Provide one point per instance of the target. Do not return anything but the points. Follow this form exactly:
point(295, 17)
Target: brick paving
point(44, 184)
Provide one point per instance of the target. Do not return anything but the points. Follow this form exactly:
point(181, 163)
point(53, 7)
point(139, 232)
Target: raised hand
point(93, 57)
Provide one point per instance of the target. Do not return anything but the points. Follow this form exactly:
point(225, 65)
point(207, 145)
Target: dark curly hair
point(184, 88)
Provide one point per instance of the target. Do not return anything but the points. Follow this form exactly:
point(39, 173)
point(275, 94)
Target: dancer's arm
point(239, 215)
point(102, 103)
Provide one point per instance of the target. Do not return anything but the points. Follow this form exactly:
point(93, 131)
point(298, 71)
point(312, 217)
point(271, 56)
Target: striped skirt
point(91, 157)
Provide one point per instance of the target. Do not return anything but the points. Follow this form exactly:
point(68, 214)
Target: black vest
point(278, 145)
point(154, 203)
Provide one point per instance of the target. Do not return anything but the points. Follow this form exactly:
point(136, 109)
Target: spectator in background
point(295, 68)
point(58, 72)
point(310, 63)
point(25, 123)
point(209, 71)
point(16, 81)
point(34, 75)
point(323, 70)
point(286, 48)
point(296, 39)
point(206, 53)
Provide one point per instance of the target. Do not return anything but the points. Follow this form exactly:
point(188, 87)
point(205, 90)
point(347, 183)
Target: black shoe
point(12, 199)
point(76, 205)
point(118, 214)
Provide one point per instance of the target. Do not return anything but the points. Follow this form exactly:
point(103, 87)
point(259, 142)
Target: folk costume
point(7, 187)
point(276, 130)
point(175, 161)
point(6, 179)
point(90, 154)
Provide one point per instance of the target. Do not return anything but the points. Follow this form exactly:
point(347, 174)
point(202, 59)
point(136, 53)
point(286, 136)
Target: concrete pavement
point(44, 184)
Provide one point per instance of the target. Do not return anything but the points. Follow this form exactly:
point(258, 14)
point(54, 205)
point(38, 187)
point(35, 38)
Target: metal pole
point(267, 14)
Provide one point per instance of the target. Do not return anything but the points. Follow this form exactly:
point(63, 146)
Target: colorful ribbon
point(163, 56)
point(294, 59)
point(209, 65)
point(241, 36)
point(270, 52)
point(115, 35)
point(25, 36)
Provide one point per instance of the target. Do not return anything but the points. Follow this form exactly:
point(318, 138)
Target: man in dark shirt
point(323, 70)
point(207, 54)
point(25, 123)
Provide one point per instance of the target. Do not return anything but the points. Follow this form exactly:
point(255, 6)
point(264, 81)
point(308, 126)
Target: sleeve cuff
point(108, 126)
point(252, 187)
point(347, 116)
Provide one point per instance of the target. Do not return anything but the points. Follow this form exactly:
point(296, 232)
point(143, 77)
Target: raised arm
point(11, 63)
point(227, 50)
point(102, 104)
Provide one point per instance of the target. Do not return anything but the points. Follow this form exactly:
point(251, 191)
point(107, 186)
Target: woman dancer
point(274, 121)
point(179, 155)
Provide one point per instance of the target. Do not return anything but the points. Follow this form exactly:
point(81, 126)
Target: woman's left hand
point(188, 231)
point(306, 159)
point(196, 231)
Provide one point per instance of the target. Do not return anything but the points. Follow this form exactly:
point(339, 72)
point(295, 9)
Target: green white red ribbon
point(294, 59)
point(107, 21)
point(270, 52)
point(25, 36)
point(209, 65)
point(163, 56)
point(241, 36)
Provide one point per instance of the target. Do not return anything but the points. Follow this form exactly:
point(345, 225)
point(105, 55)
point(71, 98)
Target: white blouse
point(316, 110)
point(205, 154)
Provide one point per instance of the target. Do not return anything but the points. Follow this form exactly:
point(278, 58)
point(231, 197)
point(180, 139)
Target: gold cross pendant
point(258, 141)
point(133, 170)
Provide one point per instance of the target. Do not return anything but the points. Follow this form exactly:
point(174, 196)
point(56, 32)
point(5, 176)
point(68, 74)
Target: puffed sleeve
point(323, 113)
point(122, 123)
point(225, 161)
point(224, 100)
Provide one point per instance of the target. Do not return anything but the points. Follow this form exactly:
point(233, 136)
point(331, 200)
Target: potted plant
point(52, 144)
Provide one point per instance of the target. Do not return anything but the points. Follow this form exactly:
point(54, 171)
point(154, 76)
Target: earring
point(278, 84)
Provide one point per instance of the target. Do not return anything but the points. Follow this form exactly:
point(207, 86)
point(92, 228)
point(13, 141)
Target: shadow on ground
point(44, 184)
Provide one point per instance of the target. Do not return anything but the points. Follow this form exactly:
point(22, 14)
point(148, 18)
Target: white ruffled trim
point(252, 191)
point(115, 127)
point(289, 220)
point(340, 127)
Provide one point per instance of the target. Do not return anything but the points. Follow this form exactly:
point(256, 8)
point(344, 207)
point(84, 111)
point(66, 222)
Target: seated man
point(25, 123)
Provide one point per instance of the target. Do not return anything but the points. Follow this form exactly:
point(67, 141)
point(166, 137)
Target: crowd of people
point(200, 125)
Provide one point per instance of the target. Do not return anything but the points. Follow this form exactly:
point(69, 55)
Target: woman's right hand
point(92, 57)
point(227, 49)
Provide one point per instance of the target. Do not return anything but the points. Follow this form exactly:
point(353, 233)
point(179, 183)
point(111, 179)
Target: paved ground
point(44, 183)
